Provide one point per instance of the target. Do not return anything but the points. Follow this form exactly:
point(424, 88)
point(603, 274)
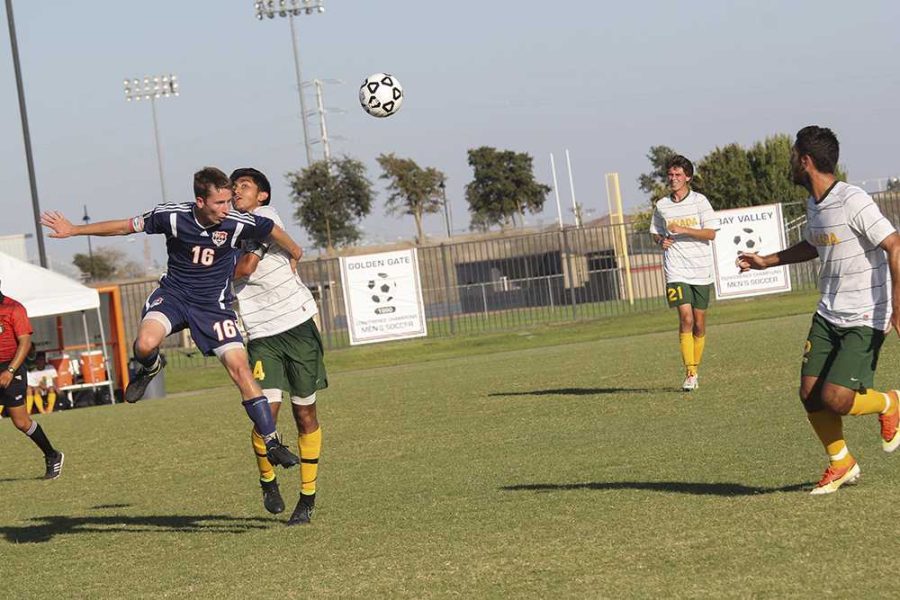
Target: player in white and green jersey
point(684, 226)
point(284, 345)
point(860, 285)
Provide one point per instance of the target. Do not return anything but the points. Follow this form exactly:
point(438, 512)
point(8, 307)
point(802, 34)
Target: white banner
point(383, 296)
point(757, 229)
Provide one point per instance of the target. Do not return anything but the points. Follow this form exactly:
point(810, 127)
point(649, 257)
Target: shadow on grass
point(671, 487)
point(12, 479)
point(584, 391)
point(46, 528)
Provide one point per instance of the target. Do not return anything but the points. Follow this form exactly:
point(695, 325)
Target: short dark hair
point(821, 145)
point(680, 161)
point(208, 179)
point(258, 177)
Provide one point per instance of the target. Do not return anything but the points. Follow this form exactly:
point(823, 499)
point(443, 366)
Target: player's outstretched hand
point(746, 261)
point(61, 226)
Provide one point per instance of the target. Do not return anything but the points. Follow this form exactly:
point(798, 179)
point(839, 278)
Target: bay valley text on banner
point(383, 296)
point(758, 229)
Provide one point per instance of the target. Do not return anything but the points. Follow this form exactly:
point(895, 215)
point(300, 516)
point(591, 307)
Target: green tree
point(770, 162)
point(413, 190)
point(655, 183)
point(727, 178)
point(331, 199)
point(732, 177)
point(640, 221)
point(106, 263)
point(503, 187)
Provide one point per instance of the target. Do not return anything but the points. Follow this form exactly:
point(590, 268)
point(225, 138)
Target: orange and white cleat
point(890, 424)
point(835, 477)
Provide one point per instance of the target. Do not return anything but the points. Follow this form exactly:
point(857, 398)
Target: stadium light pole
point(291, 9)
point(23, 115)
point(151, 88)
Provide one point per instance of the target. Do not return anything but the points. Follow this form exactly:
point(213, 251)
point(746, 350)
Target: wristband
point(11, 370)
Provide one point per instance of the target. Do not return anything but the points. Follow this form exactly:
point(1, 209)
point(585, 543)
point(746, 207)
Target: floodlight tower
point(152, 88)
point(291, 9)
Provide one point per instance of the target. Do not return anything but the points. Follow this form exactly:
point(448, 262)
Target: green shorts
point(688, 293)
point(292, 360)
point(845, 356)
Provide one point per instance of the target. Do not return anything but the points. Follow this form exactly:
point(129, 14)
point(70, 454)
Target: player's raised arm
point(63, 228)
point(280, 237)
point(797, 253)
point(246, 265)
point(891, 247)
point(697, 234)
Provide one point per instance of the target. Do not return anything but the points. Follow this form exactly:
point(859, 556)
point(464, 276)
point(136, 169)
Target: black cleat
point(272, 499)
point(302, 515)
point(138, 385)
point(279, 455)
point(54, 465)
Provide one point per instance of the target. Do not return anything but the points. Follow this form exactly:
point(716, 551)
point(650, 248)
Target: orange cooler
point(63, 370)
point(92, 367)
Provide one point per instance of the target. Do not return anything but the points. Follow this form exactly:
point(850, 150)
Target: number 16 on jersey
point(226, 329)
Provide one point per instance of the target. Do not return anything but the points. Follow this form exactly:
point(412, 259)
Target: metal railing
point(509, 280)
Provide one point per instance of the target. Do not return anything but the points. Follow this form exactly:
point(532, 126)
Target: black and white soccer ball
point(381, 95)
point(382, 288)
point(747, 241)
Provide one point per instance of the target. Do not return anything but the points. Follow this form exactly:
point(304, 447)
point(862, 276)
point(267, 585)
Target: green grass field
point(559, 462)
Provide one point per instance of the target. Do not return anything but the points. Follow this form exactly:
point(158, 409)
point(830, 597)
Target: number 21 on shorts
point(675, 293)
point(226, 329)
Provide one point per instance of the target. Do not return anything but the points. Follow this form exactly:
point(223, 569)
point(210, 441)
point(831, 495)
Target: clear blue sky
point(606, 81)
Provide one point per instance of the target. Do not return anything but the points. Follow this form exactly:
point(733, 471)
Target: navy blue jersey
point(201, 259)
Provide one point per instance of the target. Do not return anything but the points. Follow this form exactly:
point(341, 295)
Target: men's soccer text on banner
point(758, 229)
point(383, 296)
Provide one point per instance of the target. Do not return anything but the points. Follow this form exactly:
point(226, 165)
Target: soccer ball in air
point(747, 241)
point(381, 95)
point(382, 288)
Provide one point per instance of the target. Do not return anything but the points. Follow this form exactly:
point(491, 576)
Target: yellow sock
point(29, 402)
point(686, 341)
point(699, 344)
point(266, 472)
point(310, 447)
point(39, 403)
point(51, 401)
point(870, 402)
point(830, 430)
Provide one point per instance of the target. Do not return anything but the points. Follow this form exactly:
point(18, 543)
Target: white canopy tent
point(45, 293)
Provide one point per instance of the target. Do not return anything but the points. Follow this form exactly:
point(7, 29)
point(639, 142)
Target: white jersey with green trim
point(688, 260)
point(273, 298)
point(846, 228)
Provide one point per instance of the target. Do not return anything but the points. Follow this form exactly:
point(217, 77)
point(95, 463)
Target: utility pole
point(86, 219)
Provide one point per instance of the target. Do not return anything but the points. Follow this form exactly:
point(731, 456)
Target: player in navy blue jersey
point(203, 241)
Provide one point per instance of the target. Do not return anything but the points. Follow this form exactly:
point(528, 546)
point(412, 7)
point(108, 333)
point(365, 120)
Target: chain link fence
point(508, 281)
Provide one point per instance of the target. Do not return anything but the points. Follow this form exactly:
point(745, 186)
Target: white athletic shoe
point(691, 383)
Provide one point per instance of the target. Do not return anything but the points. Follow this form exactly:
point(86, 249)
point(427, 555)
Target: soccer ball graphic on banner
point(382, 289)
point(381, 95)
point(747, 241)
